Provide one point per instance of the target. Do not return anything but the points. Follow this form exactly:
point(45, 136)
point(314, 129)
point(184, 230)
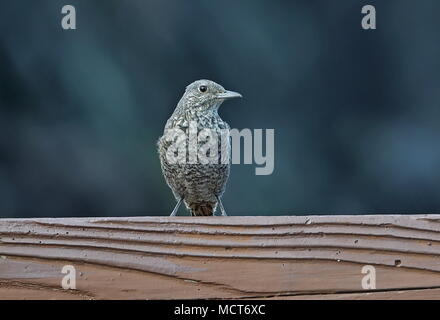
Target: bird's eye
point(203, 88)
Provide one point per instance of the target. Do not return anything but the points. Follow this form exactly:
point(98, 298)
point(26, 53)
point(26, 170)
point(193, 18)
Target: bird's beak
point(228, 95)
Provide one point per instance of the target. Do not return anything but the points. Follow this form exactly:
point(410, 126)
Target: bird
point(199, 186)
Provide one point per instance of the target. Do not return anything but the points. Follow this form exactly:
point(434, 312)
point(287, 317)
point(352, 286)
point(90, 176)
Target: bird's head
point(205, 95)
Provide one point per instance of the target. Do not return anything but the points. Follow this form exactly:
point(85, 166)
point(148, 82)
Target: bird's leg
point(176, 208)
point(222, 209)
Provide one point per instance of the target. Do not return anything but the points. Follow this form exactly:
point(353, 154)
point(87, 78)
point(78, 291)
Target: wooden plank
point(422, 294)
point(300, 257)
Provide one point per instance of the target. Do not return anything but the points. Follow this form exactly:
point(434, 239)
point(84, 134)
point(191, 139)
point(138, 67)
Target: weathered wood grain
point(300, 257)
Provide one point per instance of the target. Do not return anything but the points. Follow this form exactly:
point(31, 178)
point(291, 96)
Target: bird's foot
point(222, 209)
point(176, 208)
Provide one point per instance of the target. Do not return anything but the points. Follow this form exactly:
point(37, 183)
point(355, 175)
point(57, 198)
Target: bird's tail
point(202, 209)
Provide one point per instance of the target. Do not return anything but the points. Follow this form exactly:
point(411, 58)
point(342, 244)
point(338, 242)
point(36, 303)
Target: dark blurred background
point(356, 113)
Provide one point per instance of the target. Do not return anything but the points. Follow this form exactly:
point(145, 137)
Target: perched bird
point(200, 186)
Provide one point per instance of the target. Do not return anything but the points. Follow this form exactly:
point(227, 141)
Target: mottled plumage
point(199, 186)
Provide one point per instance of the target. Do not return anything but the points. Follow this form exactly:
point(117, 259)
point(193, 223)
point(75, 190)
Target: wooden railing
point(289, 257)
